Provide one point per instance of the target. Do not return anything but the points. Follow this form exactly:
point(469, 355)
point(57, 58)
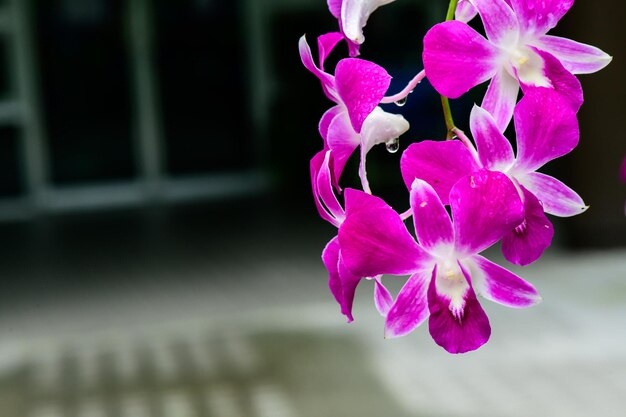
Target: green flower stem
point(445, 103)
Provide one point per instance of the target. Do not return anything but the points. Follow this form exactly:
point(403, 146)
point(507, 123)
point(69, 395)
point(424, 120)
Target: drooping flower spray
point(493, 194)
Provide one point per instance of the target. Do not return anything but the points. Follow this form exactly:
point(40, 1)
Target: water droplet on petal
point(401, 102)
point(393, 145)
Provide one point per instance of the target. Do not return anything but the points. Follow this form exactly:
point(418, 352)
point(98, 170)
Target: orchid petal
point(576, 57)
point(327, 80)
point(354, 15)
point(342, 141)
point(501, 285)
point(361, 85)
point(330, 257)
point(560, 79)
point(465, 11)
point(325, 121)
point(440, 164)
point(334, 6)
point(526, 243)
point(500, 22)
point(315, 167)
point(485, 206)
point(374, 240)
point(543, 135)
point(325, 45)
point(382, 298)
point(556, 198)
point(379, 127)
point(325, 190)
point(539, 16)
point(456, 331)
point(457, 58)
point(494, 149)
point(411, 306)
point(433, 227)
point(501, 97)
point(349, 282)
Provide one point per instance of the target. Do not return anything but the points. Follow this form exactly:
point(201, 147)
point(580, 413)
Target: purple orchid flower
point(357, 87)
point(352, 16)
point(446, 270)
point(517, 52)
point(341, 281)
point(542, 135)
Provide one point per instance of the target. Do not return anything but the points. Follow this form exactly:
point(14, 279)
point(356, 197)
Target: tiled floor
point(153, 315)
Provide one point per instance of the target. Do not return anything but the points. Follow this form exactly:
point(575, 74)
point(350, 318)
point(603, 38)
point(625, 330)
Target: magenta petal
point(465, 11)
point(500, 22)
point(330, 257)
point(432, 222)
point(546, 128)
point(440, 164)
point(411, 306)
point(374, 240)
point(485, 206)
point(576, 57)
point(325, 45)
point(325, 121)
point(457, 58)
point(382, 298)
point(361, 85)
point(555, 197)
point(328, 81)
point(457, 334)
point(563, 81)
point(315, 167)
point(501, 97)
point(539, 16)
point(342, 141)
point(525, 244)
point(494, 149)
point(349, 282)
point(335, 7)
point(501, 285)
point(325, 190)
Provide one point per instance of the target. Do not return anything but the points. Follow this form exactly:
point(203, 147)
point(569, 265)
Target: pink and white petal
point(325, 45)
point(440, 164)
point(334, 6)
point(411, 306)
point(354, 15)
point(500, 285)
point(561, 80)
point(325, 190)
point(382, 298)
point(539, 16)
point(494, 150)
point(433, 227)
point(325, 121)
point(485, 206)
point(459, 331)
point(465, 11)
point(527, 242)
point(457, 58)
point(374, 240)
point(501, 97)
point(361, 85)
point(342, 141)
point(315, 167)
point(330, 257)
point(500, 22)
point(546, 128)
point(349, 282)
point(576, 57)
point(555, 197)
point(327, 80)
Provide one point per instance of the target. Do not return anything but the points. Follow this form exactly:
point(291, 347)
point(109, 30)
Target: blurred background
point(161, 250)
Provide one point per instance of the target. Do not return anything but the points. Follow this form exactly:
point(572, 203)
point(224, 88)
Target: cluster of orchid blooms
point(493, 193)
